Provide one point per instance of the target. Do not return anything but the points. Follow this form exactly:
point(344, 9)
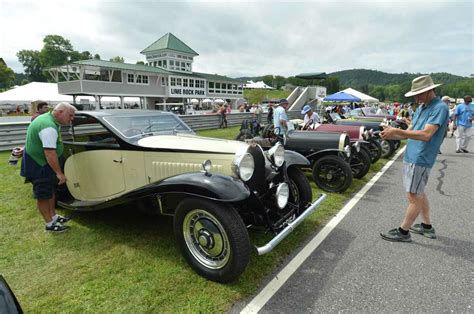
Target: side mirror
point(8, 302)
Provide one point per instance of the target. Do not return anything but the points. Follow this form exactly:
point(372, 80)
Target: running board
point(291, 226)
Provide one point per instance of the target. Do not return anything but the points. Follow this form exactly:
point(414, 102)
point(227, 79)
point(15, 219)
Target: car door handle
point(118, 160)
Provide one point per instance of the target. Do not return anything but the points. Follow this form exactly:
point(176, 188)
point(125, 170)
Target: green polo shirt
point(34, 146)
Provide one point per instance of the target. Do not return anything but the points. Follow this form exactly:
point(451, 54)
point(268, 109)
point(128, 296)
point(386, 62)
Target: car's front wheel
point(375, 150)
point(301, 193)
point(332, 174)
point(388, 148)
point(360, 163)
point(212, 238)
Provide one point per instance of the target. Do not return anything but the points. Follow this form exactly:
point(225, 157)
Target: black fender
point(167, 193)
point(215, 187)
point(294, 158)
point(324, 152)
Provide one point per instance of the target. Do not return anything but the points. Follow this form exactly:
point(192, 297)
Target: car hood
point(189, 142)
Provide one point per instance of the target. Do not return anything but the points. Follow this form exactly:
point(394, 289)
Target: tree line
point(56, 51)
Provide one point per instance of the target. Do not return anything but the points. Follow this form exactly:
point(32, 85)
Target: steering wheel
point(132, 132)
point(307, 124)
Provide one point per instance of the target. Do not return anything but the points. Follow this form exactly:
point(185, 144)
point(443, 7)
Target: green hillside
point(381, 85)
point(361, 77)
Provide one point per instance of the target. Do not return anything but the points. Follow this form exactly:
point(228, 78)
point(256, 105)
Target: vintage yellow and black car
point(215, 189)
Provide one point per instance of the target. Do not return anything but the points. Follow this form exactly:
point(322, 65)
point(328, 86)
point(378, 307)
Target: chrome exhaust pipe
point(291, 226)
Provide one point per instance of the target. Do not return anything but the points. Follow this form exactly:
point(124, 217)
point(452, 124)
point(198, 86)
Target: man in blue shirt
point(463, 116)
point(425, 136)
point(280, 118)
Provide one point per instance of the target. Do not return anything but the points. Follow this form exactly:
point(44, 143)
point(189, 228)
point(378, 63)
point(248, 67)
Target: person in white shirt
point(380, 111)
point(309, 115)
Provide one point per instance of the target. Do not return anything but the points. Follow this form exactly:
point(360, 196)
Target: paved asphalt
point(354, 270)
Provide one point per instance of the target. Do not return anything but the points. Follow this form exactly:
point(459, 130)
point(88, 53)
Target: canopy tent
point(364, 97)
point(25, 94)
point(194, 101)
point(257, 85)
point(341, 96)
point(33, 91)
point(219, 101)
point(207, 100)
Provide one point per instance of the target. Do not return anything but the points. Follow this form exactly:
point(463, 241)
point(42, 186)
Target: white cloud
point(257, 37)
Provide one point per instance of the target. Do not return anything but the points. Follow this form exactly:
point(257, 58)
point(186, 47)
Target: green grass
point(119, 260)
point(254, 96)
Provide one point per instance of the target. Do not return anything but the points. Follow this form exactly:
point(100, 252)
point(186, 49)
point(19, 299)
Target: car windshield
point(140, 126)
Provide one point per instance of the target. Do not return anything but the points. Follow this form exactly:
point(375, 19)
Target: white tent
point(259, 84)
point(364, 97)
point(218, 101)
point(25, 94)
point(33, 91)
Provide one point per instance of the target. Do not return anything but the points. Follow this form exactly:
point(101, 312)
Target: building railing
point(13, 134)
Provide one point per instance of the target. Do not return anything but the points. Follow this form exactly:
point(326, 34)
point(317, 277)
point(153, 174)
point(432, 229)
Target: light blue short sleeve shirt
point(463, 114)
point(424, 153)
point(279, 114)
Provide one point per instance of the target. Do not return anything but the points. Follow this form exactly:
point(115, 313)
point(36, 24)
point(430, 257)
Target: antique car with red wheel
point(369, 143)
point(388, 146)
point(215, 189)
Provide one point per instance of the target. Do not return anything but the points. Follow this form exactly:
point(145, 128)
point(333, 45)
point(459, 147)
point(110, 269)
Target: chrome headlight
point(244, 166)
point(347, 150)
point(282, 195)
point(357, 146)
point(276, 154)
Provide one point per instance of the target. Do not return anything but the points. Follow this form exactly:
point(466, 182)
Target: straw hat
point(420, 85)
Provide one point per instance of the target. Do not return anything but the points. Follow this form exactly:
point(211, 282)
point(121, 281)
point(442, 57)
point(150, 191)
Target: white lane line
point(275, 284)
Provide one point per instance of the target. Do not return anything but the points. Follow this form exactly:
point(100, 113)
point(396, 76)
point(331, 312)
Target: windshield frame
point(178, 125)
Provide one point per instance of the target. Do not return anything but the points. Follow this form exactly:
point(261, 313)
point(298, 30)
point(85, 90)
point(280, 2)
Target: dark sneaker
point(396, 236)
point(465, 151)
point(56, 228)
point(62, 219)
point(459, 151)
point(429, 233)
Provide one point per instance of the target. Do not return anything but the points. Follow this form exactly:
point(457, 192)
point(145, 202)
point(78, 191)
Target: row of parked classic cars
point(338, 150)
point(216, 190)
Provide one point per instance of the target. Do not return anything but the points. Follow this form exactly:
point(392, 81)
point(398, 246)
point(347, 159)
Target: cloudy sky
point(252, 38)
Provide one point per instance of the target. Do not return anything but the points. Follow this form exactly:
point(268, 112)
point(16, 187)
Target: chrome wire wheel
point(206, 239)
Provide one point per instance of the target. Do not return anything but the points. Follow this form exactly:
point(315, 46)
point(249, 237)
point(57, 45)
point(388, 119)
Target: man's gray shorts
point(415, 178)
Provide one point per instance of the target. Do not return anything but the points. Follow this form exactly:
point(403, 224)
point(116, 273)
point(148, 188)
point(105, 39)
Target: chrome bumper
point(291, 226)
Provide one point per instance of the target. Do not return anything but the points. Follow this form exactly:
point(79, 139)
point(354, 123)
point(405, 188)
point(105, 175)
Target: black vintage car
point(329, 154)
point(215, 189)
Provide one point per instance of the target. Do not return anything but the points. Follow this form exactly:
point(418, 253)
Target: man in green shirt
point(40, 164)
